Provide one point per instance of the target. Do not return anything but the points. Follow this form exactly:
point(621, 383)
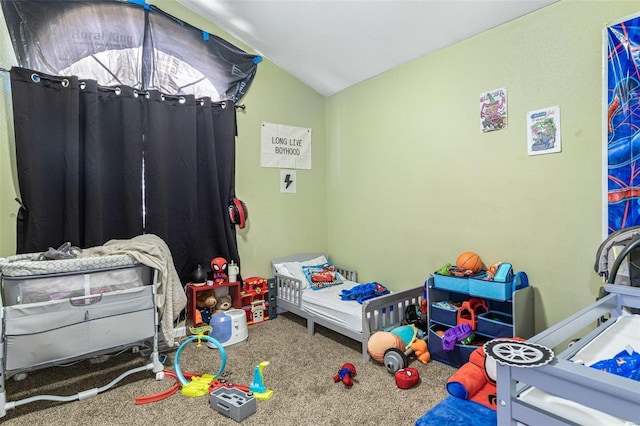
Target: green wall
point(413, 181)
point(403, 180)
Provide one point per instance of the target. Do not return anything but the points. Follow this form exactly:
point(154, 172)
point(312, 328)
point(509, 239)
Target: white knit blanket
point(151, 250)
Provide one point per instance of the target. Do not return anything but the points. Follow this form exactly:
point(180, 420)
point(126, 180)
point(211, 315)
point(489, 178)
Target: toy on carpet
point(476, 380)
point(257, 386)
point(347, 371)
point(380, 341)
point(205, 306)
point(219, 268)
point(407, 378)
point(199, 385)
point(469, 261)
point(421, 350)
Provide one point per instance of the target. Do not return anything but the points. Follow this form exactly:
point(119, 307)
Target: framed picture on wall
point(543, 131)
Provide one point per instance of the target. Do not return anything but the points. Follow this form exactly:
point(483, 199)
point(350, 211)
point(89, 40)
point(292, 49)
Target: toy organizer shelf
point(493, 318)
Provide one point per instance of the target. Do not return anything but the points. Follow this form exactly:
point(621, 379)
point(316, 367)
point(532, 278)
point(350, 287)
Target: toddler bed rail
point(380, 313)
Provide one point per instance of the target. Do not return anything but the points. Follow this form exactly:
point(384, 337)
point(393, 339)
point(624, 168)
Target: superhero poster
point(493, 110)
point(622, 67)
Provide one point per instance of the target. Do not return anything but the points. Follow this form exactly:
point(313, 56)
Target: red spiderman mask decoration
point(219, 268)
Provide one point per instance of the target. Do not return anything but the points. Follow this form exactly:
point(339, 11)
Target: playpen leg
point(310, 327)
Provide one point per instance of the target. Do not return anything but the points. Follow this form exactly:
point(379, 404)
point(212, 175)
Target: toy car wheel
point(394, 360)
point(518, 354)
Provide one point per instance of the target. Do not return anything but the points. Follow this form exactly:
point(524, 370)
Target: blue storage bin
point(460, 353)
point(489, 289)
point(443, 315)
point(495, 324)
point(451, 283)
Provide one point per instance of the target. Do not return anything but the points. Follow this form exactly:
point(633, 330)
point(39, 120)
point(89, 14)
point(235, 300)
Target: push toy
point(347, 371)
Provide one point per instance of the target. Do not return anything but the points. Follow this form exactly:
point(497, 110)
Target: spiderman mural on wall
point(623, 124)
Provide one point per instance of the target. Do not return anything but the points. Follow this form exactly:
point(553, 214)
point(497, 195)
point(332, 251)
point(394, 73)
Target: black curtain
point(97, 163)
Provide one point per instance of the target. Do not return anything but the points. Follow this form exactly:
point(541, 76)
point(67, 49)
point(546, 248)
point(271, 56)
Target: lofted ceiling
point(333, 44)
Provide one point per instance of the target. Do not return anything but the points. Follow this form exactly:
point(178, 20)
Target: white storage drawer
point(44, 332)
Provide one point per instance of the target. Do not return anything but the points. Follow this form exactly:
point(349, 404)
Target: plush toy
point(347, 371)
point(421, 350)
point(224, 304)
point(476, 380)
point(205, 304)
point(219, 268)
point(380, 341)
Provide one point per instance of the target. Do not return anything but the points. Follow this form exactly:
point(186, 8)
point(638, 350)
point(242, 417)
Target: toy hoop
point(176, 361)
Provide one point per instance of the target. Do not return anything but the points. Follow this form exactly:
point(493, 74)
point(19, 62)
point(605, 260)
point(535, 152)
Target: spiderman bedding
point(366, 291)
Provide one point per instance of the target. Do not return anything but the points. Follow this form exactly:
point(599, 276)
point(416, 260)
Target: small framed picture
point(493, 110)
point(543, 131)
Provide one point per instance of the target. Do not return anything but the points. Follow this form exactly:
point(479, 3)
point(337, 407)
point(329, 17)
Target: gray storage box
point(233, 403)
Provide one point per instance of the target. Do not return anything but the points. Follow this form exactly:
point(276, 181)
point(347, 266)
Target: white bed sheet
point(328, 304)
point(605, 346)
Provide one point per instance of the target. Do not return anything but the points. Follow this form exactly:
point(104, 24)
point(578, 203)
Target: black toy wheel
point(518, 354)
point(394, 360)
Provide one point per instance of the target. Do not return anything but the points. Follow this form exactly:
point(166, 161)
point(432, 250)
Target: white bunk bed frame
point(379, 313)
point(606, 392)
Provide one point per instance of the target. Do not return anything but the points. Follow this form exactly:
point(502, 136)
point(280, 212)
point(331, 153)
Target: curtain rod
point(144, 92)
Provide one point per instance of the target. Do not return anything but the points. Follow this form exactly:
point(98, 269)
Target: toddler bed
point(567, 390)
point(325, 306)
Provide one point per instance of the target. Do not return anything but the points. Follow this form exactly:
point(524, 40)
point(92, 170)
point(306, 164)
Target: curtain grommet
point(64, 83)
point(35, 78)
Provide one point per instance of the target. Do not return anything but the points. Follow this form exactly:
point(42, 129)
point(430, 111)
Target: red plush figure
point(219, 268)
point(347, 371)
point(476, 380)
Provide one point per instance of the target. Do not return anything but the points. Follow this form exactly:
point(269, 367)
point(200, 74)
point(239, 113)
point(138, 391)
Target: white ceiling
point(333, 44)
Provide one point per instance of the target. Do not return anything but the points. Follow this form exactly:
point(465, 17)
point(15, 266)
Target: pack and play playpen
point(325, 306)
point(55, 312)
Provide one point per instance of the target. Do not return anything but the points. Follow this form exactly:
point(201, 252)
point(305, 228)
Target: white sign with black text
point(288, 181)
point(285, 146)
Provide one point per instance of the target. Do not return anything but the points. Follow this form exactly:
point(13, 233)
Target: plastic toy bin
point(497, 290)
point(495, 324)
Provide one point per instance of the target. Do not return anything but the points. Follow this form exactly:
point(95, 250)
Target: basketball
point(469, 261)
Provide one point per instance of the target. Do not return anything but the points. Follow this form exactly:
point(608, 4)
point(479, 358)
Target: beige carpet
point(300, 372)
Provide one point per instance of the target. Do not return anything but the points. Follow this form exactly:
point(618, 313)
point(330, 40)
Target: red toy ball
point(469, 261)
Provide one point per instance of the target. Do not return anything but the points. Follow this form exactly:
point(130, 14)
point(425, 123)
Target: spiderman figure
point(219, 268)
point(347, 371)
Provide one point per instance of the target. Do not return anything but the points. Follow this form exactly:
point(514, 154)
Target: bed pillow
point(322, 276)
point(294, 269)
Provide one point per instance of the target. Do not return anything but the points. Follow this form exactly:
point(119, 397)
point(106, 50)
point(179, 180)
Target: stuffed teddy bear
point(224, 304)
point(205, 304)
